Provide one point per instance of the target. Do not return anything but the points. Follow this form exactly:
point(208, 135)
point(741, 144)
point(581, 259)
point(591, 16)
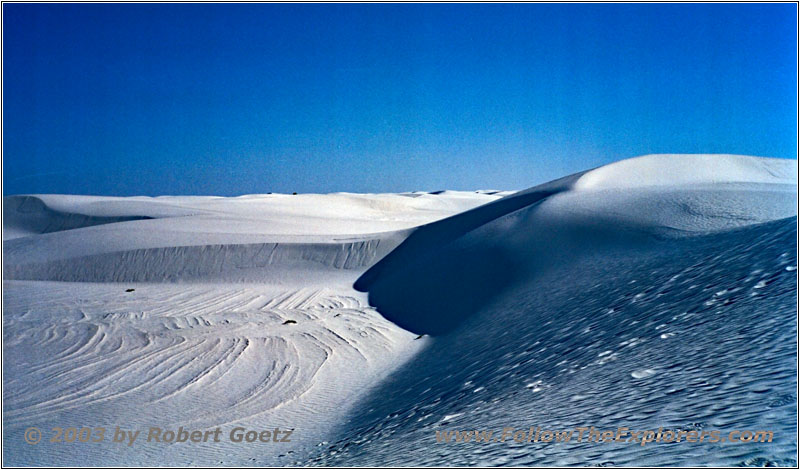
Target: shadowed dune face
point(457, 281)
point(437, 290)
point(439, 276)
point(457, 284)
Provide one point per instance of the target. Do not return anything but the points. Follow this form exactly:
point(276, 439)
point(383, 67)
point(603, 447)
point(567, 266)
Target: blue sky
point(149, 99)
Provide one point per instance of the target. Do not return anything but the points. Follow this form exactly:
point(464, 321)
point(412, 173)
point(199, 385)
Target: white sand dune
point(254, 238)
point(469, 258)
point(197, 343)
point(301, 311)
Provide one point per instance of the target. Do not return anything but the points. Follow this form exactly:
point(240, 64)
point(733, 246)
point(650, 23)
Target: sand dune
point(455, 266)
point(655, 291)
point(246, 239)
point(197, 343)
point(639, 294)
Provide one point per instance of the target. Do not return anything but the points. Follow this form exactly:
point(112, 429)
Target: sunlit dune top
point(680, 170)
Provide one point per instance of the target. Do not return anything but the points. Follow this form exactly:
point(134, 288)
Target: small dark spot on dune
point(129, 290)
point(418, 337)
point(289, 322)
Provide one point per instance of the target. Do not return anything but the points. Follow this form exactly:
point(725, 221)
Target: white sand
point(202, 341)
point(200, 355)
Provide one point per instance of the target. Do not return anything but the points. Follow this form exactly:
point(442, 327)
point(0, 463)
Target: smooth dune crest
point(680, 170)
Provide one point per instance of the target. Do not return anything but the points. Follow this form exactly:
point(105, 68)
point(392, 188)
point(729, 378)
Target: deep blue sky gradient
point(252, 98)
